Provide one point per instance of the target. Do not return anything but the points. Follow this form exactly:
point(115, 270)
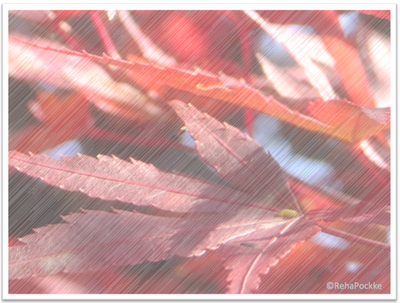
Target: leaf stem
point(355, 238)
point(105, 37)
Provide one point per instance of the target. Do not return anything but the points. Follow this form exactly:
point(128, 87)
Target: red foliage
point(230, 219)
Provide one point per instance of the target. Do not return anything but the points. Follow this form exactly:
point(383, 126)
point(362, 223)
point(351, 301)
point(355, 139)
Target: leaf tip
point(114, 210)
point(83, 210)
point(21, 239)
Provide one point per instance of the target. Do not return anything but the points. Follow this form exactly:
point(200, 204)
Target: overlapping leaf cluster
point(252, 217)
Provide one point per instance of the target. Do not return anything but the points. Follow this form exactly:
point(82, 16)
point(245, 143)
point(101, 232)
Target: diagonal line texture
point(200, 152)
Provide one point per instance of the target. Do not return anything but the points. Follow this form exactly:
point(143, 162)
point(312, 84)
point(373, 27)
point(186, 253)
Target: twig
point(148, 48)
point(105, 37)
point(351, 237)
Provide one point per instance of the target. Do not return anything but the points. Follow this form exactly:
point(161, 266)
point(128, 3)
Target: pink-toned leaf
point(309, 266)
point(253, 259)
point(97, 240)
point(220, 87)
point(236, 157)
point(204, 84)
point(354, 121)
point(110, 178)
point(80, 74)
point(310, 198)
point(91, 241)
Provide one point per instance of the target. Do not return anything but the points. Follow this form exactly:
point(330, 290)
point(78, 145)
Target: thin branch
point(354, 238)
point(105, 37)
point(149, 50)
